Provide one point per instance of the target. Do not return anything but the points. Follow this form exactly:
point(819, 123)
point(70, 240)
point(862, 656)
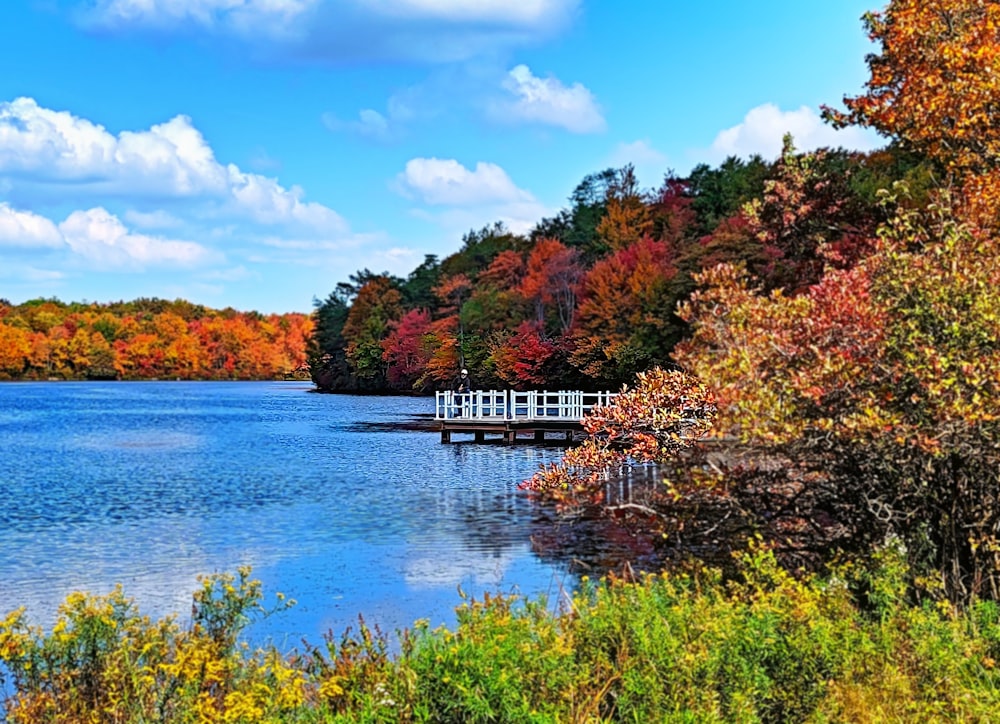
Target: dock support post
point(445, 436)
point(510, 436)
point(539, 435)
point(480, 436)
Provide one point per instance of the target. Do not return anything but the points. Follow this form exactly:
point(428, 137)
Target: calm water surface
point(347, 504)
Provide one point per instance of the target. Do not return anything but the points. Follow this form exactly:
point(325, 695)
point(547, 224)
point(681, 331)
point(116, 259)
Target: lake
point(350, 505)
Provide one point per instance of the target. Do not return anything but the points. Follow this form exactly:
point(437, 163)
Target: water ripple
point(348, 504)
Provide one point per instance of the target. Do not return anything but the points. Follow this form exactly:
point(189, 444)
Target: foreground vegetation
point(761, 645)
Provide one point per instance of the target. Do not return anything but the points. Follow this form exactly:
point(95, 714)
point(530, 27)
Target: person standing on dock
point(463, 393)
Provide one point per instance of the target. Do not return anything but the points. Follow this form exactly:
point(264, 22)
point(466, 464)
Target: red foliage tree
point(407, 349)
point(524, 359)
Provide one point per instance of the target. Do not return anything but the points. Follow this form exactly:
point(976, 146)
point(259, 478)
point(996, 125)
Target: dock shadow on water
point(350, 505)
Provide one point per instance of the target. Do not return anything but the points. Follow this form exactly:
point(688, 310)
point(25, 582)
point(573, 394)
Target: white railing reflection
point(510, 405)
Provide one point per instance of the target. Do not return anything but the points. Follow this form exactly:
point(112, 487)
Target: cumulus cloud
point(25, 229)
point(447, 182)
point(54, 146)
point(763, 128)
point(269, 203)
point(468, 198)
point(548, 101)
point(172, 159)
point(339, 30)
point(461, 197)
point(100, 237)
point(97, 236)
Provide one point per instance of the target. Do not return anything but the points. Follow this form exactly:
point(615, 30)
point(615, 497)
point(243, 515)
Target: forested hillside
point(590, 296)
point(145, 339)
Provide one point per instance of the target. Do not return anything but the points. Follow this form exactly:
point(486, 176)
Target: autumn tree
point(407, 349)
point(155, 338)
point(377, 304)
point(626, 215)
point(934, 86)
point(623, 322)
point(664, 413)
point(550, 283)
point(671, 211)
point(527, 359)
point(496, 301)
point(15, 346)
point(809, 217)
point(872, 397)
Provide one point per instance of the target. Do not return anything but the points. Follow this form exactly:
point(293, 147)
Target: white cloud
point(337, 30)
point(471, 198)
point(25, 229)
point(100, 237)
point(518, 218)
point(763, 128)
point(548, 101)
point(158, 219)
point(270, 203)
point(172, 159)
point(55, 146)
point(447, 182)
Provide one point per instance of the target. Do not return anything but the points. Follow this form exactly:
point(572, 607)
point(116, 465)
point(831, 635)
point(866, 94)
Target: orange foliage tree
point(149, 338)
point(551, 280)
point(15, 347)
point(626, 217)
point(935, 86)
point(623, 320)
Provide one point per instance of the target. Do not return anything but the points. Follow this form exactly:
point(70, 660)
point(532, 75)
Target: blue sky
point(253, 153)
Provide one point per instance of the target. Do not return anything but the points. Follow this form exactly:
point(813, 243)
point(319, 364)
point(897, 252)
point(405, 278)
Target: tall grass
point(766, 647)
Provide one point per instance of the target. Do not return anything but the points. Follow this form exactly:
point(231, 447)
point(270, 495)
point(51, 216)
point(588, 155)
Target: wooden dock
point(515, 414)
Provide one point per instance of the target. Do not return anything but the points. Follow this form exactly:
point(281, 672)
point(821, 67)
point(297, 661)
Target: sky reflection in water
point(348, 504)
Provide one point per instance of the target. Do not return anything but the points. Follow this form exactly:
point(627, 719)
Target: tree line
point(148, 338)
point(591, 296)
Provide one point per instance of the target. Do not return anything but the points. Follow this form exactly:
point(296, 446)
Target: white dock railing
point(510, 406)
